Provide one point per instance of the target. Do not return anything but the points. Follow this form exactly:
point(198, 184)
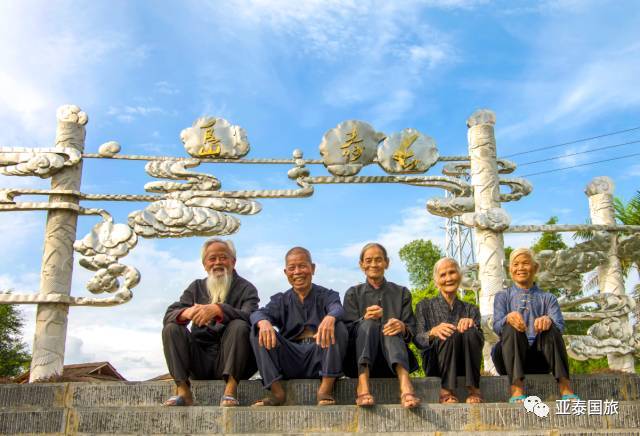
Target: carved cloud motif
point(173, 218)
point(211, 137)
point(42, 162)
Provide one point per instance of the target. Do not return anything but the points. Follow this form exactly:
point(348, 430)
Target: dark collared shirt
point(292, 316)
point(434, 311)
point(532, 303)
point(395, 301)
point(242, 299)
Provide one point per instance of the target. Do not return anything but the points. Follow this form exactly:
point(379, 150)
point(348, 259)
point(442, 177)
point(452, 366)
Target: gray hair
point(437, 265)
point(298, 250)
point(518, 251)
point(231, 249)
point(372, 245)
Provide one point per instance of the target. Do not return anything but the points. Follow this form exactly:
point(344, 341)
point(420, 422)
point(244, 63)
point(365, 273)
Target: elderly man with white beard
point(217, 347)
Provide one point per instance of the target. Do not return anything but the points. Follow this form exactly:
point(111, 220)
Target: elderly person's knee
point(238, 328)
point(172, 330)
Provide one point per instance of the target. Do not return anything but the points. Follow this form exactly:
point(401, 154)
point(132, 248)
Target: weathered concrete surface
point(302, 392)
point(133, 408)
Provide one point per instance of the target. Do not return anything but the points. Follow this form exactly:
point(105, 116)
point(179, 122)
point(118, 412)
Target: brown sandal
point(448, 398)
point(269, 401)
point(365, 400)
point(325, 399)
point(474, 399)
point(408, 396)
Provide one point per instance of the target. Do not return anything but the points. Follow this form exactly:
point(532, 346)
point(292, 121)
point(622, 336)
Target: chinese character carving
point(352, 148)
point(210, 144)
point(404, 156)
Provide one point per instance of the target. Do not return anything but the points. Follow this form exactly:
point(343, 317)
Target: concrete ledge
point(33, 421)
point(342, 419)
point(300, 392)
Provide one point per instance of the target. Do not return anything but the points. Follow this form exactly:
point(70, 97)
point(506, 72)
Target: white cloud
point(60, 57)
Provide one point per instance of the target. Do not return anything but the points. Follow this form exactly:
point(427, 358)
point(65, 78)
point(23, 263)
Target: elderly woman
point(381, 325)
point(449, 334)
point(530, 324)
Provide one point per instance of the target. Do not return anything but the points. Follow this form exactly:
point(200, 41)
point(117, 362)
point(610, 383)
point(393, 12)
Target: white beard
point(218, 287)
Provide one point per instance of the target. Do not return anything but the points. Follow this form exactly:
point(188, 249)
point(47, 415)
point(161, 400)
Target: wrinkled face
point(373, 264)
point(447, 277)
point(299, 271)
point(218, 260)
point(523, 270)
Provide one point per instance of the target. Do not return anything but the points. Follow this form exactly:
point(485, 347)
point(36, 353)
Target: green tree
point(419, 256)
point(14, 358)
point(549, 240)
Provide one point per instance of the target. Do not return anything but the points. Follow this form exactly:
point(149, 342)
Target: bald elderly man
point(449, 335)
point(311, 339)
point(530, 325)
point(217, 346)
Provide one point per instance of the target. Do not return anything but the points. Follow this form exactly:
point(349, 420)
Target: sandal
point(175, 400)
point(448, 398)
point(230, 401)
point(517, 399)
point(325, 399)
point(408, 397)
point(268, 401)
point(474, 399)
point(570, 397)
point(365, 400)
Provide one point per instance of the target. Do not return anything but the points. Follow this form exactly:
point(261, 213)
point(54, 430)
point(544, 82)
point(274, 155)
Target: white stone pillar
point(486, 193)
point(610, 278)
point(57, 261)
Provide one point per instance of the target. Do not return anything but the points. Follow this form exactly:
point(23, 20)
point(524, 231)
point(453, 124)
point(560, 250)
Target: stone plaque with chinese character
point(408, 151)
point(349, 146)
point(215, 138)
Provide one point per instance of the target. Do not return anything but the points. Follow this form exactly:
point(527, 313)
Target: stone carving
point(109, 149)
point(173, 218)
point(609, 305)
point(177, 170)
point(461, 169)
point(495, 219)
point(407, 151)
point(450, 206)
point(57, 264)
point(300, 170)
point(610, 278)
point(349, 146)
point(519, 188)
point(211, 137)
point(486, 194)
point(42, 162)
point(564, 268)
point(629, 247)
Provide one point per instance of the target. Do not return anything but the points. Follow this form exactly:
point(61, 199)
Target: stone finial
point(481, 116)
point(71, 113)
point(600, 185)
point(297, 153)
point(109, 149)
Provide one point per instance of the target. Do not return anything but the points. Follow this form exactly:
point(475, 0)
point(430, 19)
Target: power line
point(573, 142)
point(582, 165)
point(577, 153)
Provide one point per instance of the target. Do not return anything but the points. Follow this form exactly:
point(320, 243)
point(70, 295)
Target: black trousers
point(459, 355)
point(379, 352)
point(189, 359)
point(289, 359)
point(513, 356)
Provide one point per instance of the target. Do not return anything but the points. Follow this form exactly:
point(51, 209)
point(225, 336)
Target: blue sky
point(287, 71)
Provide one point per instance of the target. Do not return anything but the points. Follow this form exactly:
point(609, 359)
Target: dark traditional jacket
point(291, 316)
point(241, 300)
